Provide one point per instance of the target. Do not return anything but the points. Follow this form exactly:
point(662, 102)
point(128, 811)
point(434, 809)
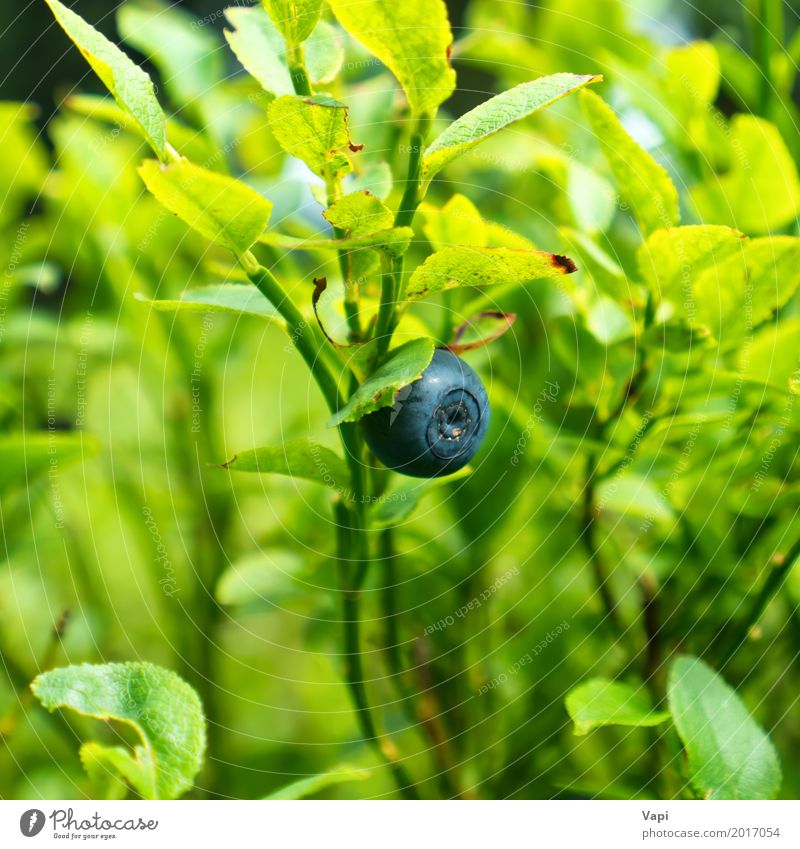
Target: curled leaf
point(480, 330)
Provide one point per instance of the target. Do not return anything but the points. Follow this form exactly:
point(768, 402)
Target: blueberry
point(436, 424)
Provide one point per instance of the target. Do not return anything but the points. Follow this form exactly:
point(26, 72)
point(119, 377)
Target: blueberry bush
point(398, 401)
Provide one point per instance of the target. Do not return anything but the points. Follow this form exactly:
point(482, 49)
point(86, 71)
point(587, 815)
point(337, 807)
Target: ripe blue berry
point(436, 424)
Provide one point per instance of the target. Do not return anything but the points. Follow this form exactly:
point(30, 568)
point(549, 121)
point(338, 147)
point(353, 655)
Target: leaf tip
point(563, 264)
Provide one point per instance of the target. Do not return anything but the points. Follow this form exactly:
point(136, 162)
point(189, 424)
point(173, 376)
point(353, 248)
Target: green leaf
point(219, 297)
point(633, 495)
point(313, 129)
point(642, 182)
point(314, 783)
point(497, 113)
point(472, 266)
point(599, 702)
point(694, 68)
point(260, 48)
point(131, 86)
point(186, 55)
point(295, 19)
point(730, 756)
point(163, 709)
point(404, 365)
point(220, 208)
point(394, 240)
point(740, 292)
point(24, 457)
point(458, 222)
point(760, 192)
point(671, 257)
point(264, 578)
point(109, 769)
point(412, 38)
point(360, 214)
point(298, 458)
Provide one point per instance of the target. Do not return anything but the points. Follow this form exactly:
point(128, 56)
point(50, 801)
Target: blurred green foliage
point(639, 482)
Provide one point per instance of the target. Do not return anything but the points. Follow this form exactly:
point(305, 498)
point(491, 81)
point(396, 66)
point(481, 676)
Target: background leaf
point(29, 455)
point(260, 48)
point(296, 19)
point(239, 299)
point(164, 710)
point(601, 702)
point(304, 787)
point(730, 756)
point(642, 182)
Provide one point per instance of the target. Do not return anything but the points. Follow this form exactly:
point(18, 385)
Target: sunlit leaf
point(412, 38)
point(497, 113)
point(298, 458)
point(218, 297)
point(470, 266)
point(295, 19)
point(130, 85)
point(220, 208)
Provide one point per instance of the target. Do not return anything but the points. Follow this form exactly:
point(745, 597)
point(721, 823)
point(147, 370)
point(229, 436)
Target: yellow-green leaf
point(412, 38)
point(221, 208)
point(472, 266)
point(295, 19)
point(131, 86)
point(314, 129)
point(642, 182)
point(359, 214)
point(497, 113)
point(232, 298)
point(163, 709)
point(736, 294)
point(314, 783)
point(458, 222)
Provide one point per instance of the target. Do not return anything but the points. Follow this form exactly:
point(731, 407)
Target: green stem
point(297, 70)
point(353, 565)
point(765, 21)
point(351, 287)
point(772, 584)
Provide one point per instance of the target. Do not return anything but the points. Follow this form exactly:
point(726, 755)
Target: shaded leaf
point(298, 458)
point(375, 178)
point(412, 38)
point(131, 86)
point(599, 702)
point(400, 502)
point(642, 182)
point(220, 208)
point(730, 756)
point(110, 770)
point(324, 53)
point(163, 709)
point(497, 113)
point(264, 578)
point(404, 365)
point(471, 266)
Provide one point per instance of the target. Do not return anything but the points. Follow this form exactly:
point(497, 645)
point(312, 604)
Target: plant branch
point(782, 567)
